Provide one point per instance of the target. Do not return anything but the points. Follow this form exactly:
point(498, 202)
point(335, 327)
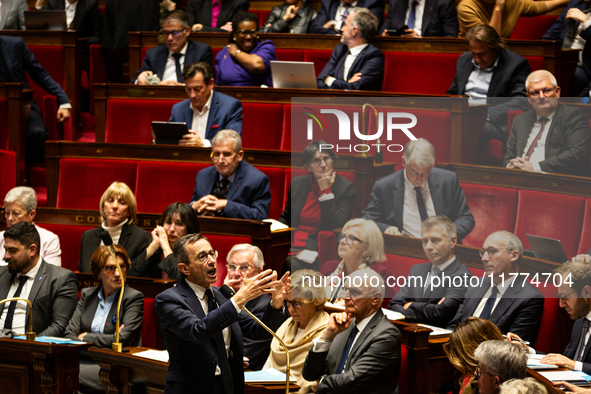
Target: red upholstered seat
point(277, 180)
point(535, 62)
point(223, 244)
point(262, 125)
point(399, 267)
point(8, 173)
point(319, 57)
point(51, 59)
point(264, 15)
point(98, 71)
point(421, 73)
point(550, 215)
point(494, 208)
point(150, 324)
point(532, 28)
point(82, 182)
point(585, 242)
point(129, 121)
point(478, 272)
point(292, 55)
point(493, 155)
point(403, 377)
point(70, 237)
point(556, 326)
point(150, 194)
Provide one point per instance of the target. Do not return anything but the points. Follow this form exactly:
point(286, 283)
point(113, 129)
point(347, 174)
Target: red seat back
point(532, 28)
point(262, 125)
point(70, 237)
point(98, 71)
point(130, 121)
point(51, 59)
point(535, 62)
point(292, 55)
point(150, 325)
point(319, 57)
point(223, 244)
point(277, 181)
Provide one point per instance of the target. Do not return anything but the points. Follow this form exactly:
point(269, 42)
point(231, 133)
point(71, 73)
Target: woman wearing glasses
point(245, 61)
point(305, 303)
point(177, 220)
point(360, 245)
point(320, 201)
point(96, 313)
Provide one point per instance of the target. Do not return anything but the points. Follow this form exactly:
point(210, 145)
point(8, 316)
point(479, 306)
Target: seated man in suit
point(84, 16)
point(169, 60)
point(401, 201)
point(20, 205)
point(208, 16)
point(245, 260)
point(356, 63)
point(551, 137)
point(231, 188)
point(491, 71)
point(52, 290)
point(15, 58)
point(334, 13)
point(202, 329)
point(498, 362)
point(12, 15)
point(205, 111)
point(428, 300)
point(359, 350)
point(425, 18)
point(503, 296)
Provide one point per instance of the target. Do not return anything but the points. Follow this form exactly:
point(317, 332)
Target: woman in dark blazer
point(119, 212)
point(293, 16)
point(320, 201)
point(96, 313)
point(177, 220)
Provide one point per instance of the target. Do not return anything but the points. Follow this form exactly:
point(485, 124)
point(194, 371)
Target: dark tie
point(488, 307)
point(581, 348)
point(434, 272)
point(412, 15)
point(346, 12)
point(569, 35)
point(535, 142)
point(224, 184)
point(421, 204)
point(177, 65)
point(12, 306)
point(341, 74)
point(345, 356)
point(221, 348)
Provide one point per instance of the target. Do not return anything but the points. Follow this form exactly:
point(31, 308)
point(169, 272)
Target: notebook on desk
point(46, 20)
point(291, 75)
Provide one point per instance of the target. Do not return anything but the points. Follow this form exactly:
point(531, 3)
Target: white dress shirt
point(502, 287)
point(70, 12)
point(170, 68)
point(341, 11)
point(20, 312)
point(50, 247)
point(411, 218)
point(539, 153)
point(200, 118)
point(419, 10)
point(479, 81)
point(349, 60)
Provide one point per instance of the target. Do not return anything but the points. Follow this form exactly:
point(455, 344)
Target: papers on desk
point(275, 224)
point(574, 377)
point(392, 315)
point(56, 340)
point(156, 355)
point(436, 330)
point(533, 362)
point(266, 376)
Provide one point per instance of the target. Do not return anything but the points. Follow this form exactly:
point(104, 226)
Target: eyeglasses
point(174, 33)
point(110, 269)
point(491, 251)
point(216, 156)
point(203, 257)
point(478, 372)
point(562, 297)
point(247, 32)
point(538, 93)
point(294, 304)
point(327, 160)
point(348, 239)
point(352, 293)
point(233, 267)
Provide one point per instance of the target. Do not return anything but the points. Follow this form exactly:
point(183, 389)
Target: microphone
point(228, 292)
point(108, 241)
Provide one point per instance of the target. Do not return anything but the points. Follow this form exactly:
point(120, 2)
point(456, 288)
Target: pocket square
point(214, 126)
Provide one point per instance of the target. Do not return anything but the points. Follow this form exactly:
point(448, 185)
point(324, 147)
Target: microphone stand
point(30, 336)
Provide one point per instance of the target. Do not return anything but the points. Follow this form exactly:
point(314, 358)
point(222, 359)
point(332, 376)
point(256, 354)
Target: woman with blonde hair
point(462, 343)
point(305, 303)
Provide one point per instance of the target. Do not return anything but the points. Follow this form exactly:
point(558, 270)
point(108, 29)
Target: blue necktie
point(412, 16)
point(345, 356)
point(581, 348)
point(421, 204)
point(12, 306)
point(221, 348)
point(177, 66)
point(489, 304)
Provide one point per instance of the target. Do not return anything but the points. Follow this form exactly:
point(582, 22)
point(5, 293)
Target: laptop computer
point(293, 75)
point(547, 248)
point(169, 133)
point(46, 20)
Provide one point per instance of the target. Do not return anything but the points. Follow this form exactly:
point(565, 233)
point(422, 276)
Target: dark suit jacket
point(519, 310)
point(334, 213)
point(567, 144)
point(12, 14)
point(387, 201)
point(426, 309)
point(133, 239)
point(225, 113)
point(19, 58)
point(373, 364)
point(249, 196)
point(199, 11)
point(88, 20)
point(54, 295)
point(155, 59)
point(571, 348)
point(370, 63)
point(131, 315)
point(329, 9)
point(121, 17)
point(440, 18)
point(299, 25)
point(508, 80)
point(189, 337)
point(558, 29)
